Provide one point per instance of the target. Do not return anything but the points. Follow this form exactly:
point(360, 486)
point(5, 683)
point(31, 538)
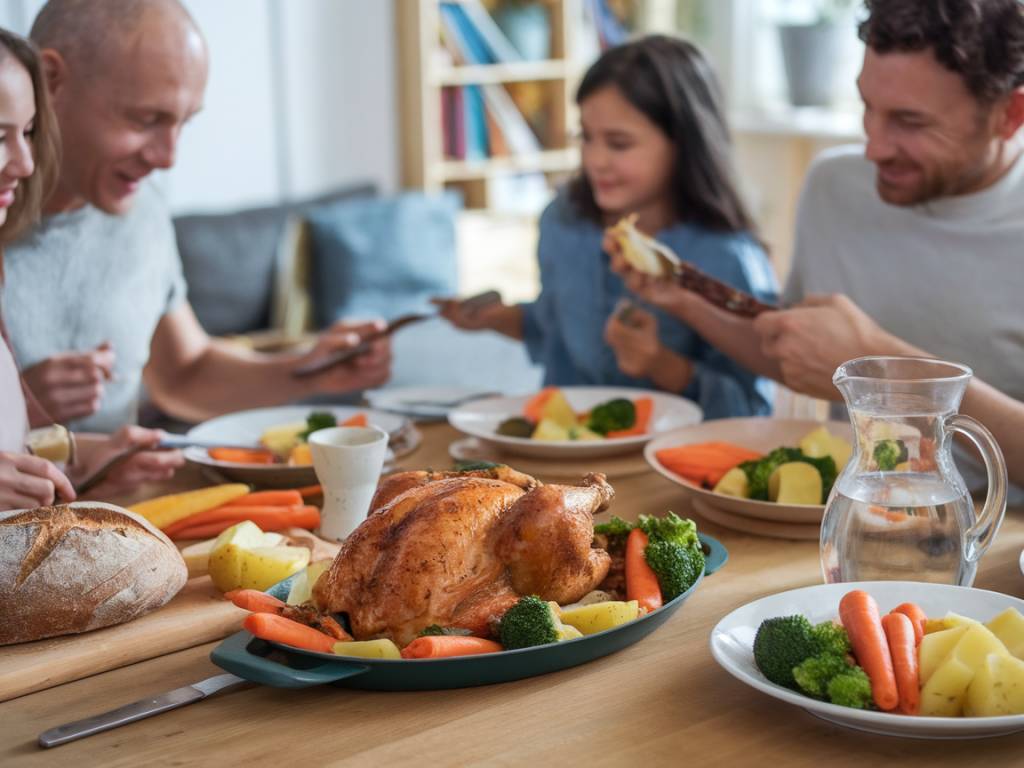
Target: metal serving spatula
point(138, 710)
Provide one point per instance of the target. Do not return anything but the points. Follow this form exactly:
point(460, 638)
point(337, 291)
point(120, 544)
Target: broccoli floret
point(759, 471)
point(437, 629)
point(889, 453)
point(814, 674)
point(852, 688)
point(612, 416)
point(318, 420)
point(831, 638)
point(670, 528)
point(528, 623)
point(614, 527)
point(473, 466)
point(781, 644)
point(677, 567)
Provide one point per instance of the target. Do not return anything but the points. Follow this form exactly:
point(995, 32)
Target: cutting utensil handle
point(137, 710)
point(233, 654)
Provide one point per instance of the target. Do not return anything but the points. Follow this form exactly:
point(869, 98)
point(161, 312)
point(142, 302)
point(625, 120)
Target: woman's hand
point(145, 466)
point(632, 333)
point(28, 481)
point(495, 316)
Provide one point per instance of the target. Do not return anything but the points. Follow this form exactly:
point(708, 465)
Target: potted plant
point(810, 49)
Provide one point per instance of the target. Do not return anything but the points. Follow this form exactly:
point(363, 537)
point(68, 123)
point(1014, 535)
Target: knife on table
point(138, 710)
point(344, 355)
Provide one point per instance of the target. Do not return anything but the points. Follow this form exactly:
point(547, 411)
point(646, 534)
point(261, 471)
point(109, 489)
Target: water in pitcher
point(897, 525)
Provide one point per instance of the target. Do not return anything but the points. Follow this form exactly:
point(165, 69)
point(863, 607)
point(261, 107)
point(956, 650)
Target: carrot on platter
point(277, 629)
point(899, 633)
point(641, 581)
point(267, 518)
point(917, 617)
point(858, 612)
point(254, 601)
point(444, 646)
point(267, 499)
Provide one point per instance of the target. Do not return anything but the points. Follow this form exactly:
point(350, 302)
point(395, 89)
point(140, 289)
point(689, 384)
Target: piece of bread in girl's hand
point(81, 566)
point(642, 253)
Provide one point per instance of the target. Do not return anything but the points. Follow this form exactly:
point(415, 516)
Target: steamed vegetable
point(677, 567)
point(278, 629)
point(759, 472)
point(598, 617)
point(529, 622)
point(442, 646)
point(780, 645)
point(899, 633)
point(164, 511)
point(615, 415)
point(641, 580)
point(859, 613)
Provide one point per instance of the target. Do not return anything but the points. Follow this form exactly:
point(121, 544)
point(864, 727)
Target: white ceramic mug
point(348, 463)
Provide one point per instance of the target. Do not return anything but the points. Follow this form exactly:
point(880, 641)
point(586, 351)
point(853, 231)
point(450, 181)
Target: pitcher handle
point(980, 535)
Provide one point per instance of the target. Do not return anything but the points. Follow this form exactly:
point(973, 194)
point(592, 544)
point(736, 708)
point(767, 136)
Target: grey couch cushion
point(229, 260)
point(382, 257)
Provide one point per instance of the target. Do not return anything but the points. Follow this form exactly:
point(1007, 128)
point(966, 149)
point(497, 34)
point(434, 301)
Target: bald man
point(95, 296)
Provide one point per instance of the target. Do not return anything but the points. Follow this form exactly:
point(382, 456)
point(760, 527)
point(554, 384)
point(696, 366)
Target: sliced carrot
point(359, 420)
point(311, 491)
point(641, 582)
point(254, 601)
point(859, 613)
point(917, 617)
point(211, 523)
point(242, 455)
point(644, 409)
point(278, 629)
point(268, 499)
point(899, 633)
point(443, 646)
point(535, 405)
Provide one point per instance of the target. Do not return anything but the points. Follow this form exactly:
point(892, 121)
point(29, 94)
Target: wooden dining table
point(662, 701)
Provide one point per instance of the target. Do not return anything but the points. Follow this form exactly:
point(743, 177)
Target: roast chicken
point(459, 549)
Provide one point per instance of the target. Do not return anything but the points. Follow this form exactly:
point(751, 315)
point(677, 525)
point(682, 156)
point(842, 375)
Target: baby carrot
point(859, 613)
point(917, 618)
point(644, 408)
point(267, 518)
point(267, 499)
point(899, 632)
point(359, 420)
point(242, 455)
point(278, 629)
point(641, 581)
point(254, 601)
point(442, 646)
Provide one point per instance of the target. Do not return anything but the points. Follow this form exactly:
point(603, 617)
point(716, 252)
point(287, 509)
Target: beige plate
point(752, 525)
point(758, 434)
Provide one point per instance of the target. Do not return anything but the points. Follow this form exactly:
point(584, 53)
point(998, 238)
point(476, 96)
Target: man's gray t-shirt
point(84, 277)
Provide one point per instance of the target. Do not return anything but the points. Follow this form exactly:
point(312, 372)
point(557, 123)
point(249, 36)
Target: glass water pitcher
point(900, 509)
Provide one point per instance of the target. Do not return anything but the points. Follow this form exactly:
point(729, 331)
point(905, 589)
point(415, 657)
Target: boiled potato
point(951, 620)
point(1008, 626)
point(368, 649)
point(282, 438)
point(821, 442)
point(590, 619)
point(302, 587)
point(550, 430)
point(558, 410)
point(944, 693)
point(242, 559)
point(934, 625)
point(795, 482)
point(734, 483)
point(935, 647)
point(263, 567)
point(197, 556)
point(568, 632)
point(997, 688)
point(580, 432)
point(301, 456)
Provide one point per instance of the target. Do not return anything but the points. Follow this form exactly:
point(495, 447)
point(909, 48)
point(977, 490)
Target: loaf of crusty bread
point(77, 567)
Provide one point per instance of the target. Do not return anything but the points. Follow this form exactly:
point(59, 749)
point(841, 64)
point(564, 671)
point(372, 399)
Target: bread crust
point(81, 566)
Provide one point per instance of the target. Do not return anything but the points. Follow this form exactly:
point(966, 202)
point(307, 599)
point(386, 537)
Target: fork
point(447, 403)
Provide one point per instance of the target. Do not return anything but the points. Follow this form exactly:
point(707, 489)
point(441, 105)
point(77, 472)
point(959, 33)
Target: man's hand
point(29, 481)
point(146, 466)
point(813, 338)
point(369, 369)
point(70, 385)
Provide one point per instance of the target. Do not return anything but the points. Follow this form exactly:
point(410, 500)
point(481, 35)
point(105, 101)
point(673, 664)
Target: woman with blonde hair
point(29, 165)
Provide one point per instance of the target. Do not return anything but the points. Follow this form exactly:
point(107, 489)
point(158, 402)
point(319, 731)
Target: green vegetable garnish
point(528, 623)
point(677, 566)
point(316, 421)
point(612, 416)
point(758, 471)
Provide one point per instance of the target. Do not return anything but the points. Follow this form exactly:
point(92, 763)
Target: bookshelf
point(430, 77)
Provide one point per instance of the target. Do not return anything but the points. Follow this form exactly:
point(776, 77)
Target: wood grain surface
point(663, 701)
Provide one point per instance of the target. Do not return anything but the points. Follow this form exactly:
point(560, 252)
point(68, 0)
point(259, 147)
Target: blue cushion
point(383, 257)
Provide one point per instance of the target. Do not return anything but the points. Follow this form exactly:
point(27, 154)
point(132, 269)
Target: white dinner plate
point(481, 418)
point(732, 642)
point(758, 434)
point(423, 402)
point(246, 428)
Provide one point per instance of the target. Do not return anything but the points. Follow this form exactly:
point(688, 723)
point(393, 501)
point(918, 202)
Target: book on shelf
point(480, 121)
point(472, 36)
point(607, 26)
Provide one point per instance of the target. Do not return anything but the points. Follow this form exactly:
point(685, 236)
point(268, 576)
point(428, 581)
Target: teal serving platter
point(283, 666)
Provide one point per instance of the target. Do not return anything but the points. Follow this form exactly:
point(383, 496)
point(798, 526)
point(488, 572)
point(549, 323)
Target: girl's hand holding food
point(29, 481)
point(632, 333)
point(656, 291)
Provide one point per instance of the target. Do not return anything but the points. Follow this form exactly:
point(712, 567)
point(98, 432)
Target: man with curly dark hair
point(911, 244)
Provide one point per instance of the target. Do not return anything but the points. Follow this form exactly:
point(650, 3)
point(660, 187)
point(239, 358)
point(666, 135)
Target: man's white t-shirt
point(946, 276)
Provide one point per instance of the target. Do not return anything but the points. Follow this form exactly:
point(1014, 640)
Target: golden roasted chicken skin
point(458, 549)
